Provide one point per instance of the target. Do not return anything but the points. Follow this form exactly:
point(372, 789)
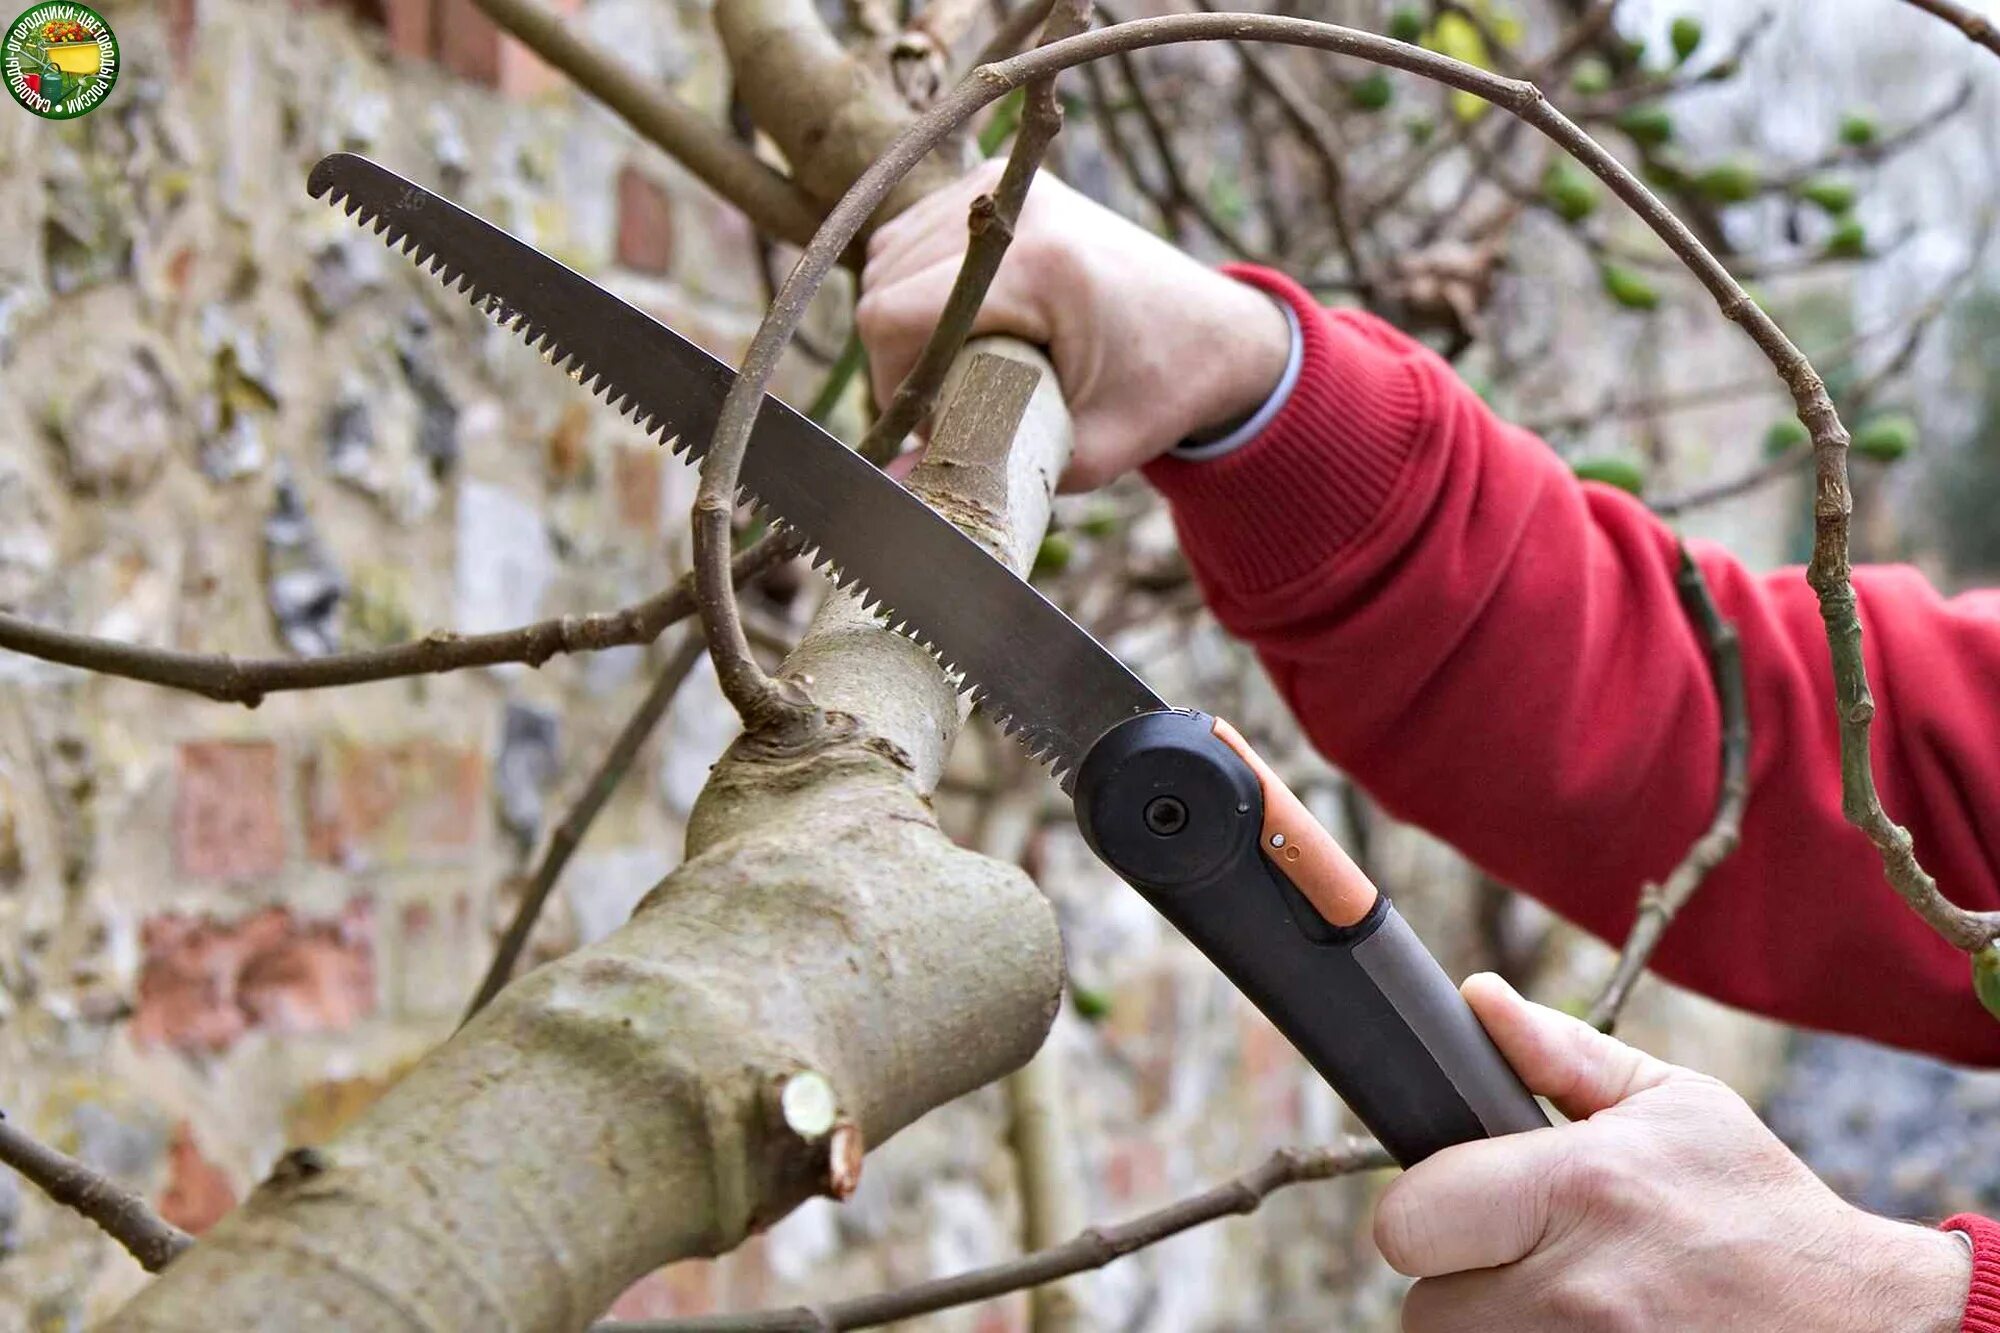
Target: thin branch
point(1976, 27)
point(1660, 903)
point(1320, 135)
point(773, 203)
point(1714, 492)
point(246, 681)
point(1094, 1248)
point(119, 1213)
point(569, 834)
point(1185, 198)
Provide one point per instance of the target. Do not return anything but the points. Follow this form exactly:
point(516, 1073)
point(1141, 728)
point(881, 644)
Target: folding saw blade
point(1033, 670)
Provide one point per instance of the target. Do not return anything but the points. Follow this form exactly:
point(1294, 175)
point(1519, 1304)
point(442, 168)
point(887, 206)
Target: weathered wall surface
point(233, 422)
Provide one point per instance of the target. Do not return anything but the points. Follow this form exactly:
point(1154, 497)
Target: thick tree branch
point(1092, 1249)
point(568, 836)
point(240, 680)
point(1659, 903)
point(627, 1105)
point(774, 204)
point(121, 1214)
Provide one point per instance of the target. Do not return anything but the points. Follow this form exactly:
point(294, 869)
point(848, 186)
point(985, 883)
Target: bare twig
point(1092, 1249)
point(568, 836)
point(1659, 903)
point(246, 681)
point(121, 1214)
point(1321, 136)
point(1185, 198)
point(1976, 27)
point(772, 202)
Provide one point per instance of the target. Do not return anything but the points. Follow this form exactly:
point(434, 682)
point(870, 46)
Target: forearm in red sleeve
point(1497, 653)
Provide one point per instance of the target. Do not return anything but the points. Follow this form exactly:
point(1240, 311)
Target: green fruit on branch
point(1052, 557)
point(1406, 23)
point(1591, 77)
point(1857, 129)
point(1848, 241)
point(1731, 182)
point(1886, 438)
point(1628, 287)
point(1611, 470)
point(1685, 35)
point(1785, 435)
point(1829, 192)
point(1093, 1006)
point(1571, 191)
point(1371, 93)
point(1648, 123)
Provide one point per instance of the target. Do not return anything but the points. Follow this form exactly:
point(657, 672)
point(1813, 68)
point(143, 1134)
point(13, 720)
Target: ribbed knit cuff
point(1982, 1303)
point(1321, 473)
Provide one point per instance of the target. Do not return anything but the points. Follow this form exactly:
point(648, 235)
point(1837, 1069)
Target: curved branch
point(121, 1214)
point(1094, 1248)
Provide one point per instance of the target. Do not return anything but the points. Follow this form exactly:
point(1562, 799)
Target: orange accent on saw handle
point(1304, 852)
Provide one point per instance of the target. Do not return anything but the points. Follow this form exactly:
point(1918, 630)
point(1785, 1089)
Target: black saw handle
point(1183, 809)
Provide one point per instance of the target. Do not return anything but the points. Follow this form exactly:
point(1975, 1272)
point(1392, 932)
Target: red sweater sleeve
point(1496, 652)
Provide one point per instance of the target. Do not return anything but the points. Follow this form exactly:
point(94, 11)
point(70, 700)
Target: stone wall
point(236, 423)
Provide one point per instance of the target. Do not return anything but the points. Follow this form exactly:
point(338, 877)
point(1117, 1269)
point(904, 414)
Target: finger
point(1502, 1302)
point(932, 211)
point(1560, 1057)
point(1471, 1206)
point(897, 320)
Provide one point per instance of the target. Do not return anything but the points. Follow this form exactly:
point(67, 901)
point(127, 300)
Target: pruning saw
point(1174, 801)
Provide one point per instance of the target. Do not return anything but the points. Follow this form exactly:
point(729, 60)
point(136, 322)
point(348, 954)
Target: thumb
point(1558, 1056)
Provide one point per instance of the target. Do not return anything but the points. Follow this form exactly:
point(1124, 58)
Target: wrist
point(1924, 1276)
point(1252, 344)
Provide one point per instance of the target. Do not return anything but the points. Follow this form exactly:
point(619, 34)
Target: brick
point(411, 26)
point(645, 223)
point(391, 804)
point(183, 27)
point(1134, 1171)
point(466, 42)
point(637, 476)
point(197, 1193)
point(227, 820)
point(675, 1291)
point(205, 983)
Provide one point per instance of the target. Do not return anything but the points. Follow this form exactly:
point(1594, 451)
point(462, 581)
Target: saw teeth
point(495, 307)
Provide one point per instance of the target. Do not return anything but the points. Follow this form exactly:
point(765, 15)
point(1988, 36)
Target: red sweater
point(1495, 650)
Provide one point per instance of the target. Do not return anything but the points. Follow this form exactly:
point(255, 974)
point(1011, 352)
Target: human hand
point(1151, 346)
point(1667, 1205)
